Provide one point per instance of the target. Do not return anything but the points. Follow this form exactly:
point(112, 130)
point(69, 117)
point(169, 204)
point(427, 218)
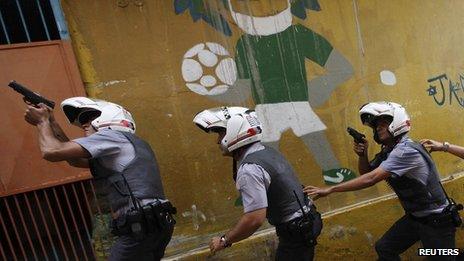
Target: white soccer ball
point(208, 69)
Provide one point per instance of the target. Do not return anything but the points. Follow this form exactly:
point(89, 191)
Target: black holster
point(453, 209)
point(305, 228)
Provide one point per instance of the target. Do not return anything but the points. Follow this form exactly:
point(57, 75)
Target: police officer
point(123, 166)
point(411, 173)
point(267, 184)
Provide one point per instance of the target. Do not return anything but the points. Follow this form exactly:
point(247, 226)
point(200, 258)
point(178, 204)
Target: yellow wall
point(132, 55)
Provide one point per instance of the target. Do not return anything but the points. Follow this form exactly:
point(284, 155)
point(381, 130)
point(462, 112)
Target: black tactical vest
point(280, 197)
point(413, 195)
point(141, 173)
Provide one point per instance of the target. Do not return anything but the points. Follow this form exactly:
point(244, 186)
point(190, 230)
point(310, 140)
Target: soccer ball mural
point(208, 69)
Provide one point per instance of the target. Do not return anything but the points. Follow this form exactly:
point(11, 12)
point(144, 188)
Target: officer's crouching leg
point(384, 252)
point(397, 239)
point(152, 247)
point(143, 235)
point(302, 252)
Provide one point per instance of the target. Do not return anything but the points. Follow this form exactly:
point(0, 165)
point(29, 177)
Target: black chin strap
point(234, 169)
point(376, 137)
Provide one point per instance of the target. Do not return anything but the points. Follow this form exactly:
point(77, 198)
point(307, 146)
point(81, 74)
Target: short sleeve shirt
point(252, 182)
point(111, 147)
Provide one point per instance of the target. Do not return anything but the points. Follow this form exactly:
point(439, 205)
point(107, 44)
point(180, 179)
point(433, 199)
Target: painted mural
point(270, 65)
point(305, 66)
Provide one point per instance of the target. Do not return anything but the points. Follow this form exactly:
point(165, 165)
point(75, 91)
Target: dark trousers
point(291, 250)
point(407, 231)
point(150, 248)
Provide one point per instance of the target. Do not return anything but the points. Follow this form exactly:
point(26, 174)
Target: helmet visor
point(368, 119)
point(87, 116)
point(371, 120)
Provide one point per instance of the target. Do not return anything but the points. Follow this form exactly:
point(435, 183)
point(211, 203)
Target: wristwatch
point(446, 146)
point(224, 242)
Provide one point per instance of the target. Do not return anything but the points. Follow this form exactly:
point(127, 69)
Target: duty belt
point(150, 218)
point(433, 219)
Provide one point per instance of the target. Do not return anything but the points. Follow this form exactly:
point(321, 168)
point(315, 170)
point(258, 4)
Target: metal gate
point(47, 210)
point(48, 224)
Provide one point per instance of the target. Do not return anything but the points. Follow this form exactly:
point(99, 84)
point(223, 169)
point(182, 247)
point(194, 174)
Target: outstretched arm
point(364, 181)
point(338, 70)
point(433, 145)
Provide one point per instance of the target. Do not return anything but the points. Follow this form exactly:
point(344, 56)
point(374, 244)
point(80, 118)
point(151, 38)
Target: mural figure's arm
point(236, 94)
point(338, 70)
point(319, 50)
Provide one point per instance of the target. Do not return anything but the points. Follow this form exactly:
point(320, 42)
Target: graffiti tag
point(441, 88)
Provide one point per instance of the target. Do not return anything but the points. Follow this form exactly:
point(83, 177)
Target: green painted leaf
point(181, 5)
point(199, 6)
point(312, 5)
point(298, 9)
point(217, 21)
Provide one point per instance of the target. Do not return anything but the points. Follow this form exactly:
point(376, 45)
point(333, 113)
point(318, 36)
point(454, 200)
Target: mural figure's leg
point(273, 123)
point(319, 146)
point(307, 125)
point(321, 150)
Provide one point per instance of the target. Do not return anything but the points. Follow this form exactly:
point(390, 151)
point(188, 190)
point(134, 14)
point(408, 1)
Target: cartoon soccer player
point(270, 58)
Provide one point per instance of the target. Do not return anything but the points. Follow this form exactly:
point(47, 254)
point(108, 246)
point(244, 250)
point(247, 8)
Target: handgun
point(357, 136)
point(31, 96)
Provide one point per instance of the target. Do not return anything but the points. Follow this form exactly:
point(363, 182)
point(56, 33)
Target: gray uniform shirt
point(111, 147)
point(252, 182)
point(406, 161)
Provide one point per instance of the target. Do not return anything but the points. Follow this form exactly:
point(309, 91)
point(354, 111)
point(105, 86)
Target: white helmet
point(109, 115)
point(400, 124)
point(241, 125)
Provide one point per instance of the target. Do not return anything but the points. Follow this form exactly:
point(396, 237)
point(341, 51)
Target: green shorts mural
point(270, 66)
